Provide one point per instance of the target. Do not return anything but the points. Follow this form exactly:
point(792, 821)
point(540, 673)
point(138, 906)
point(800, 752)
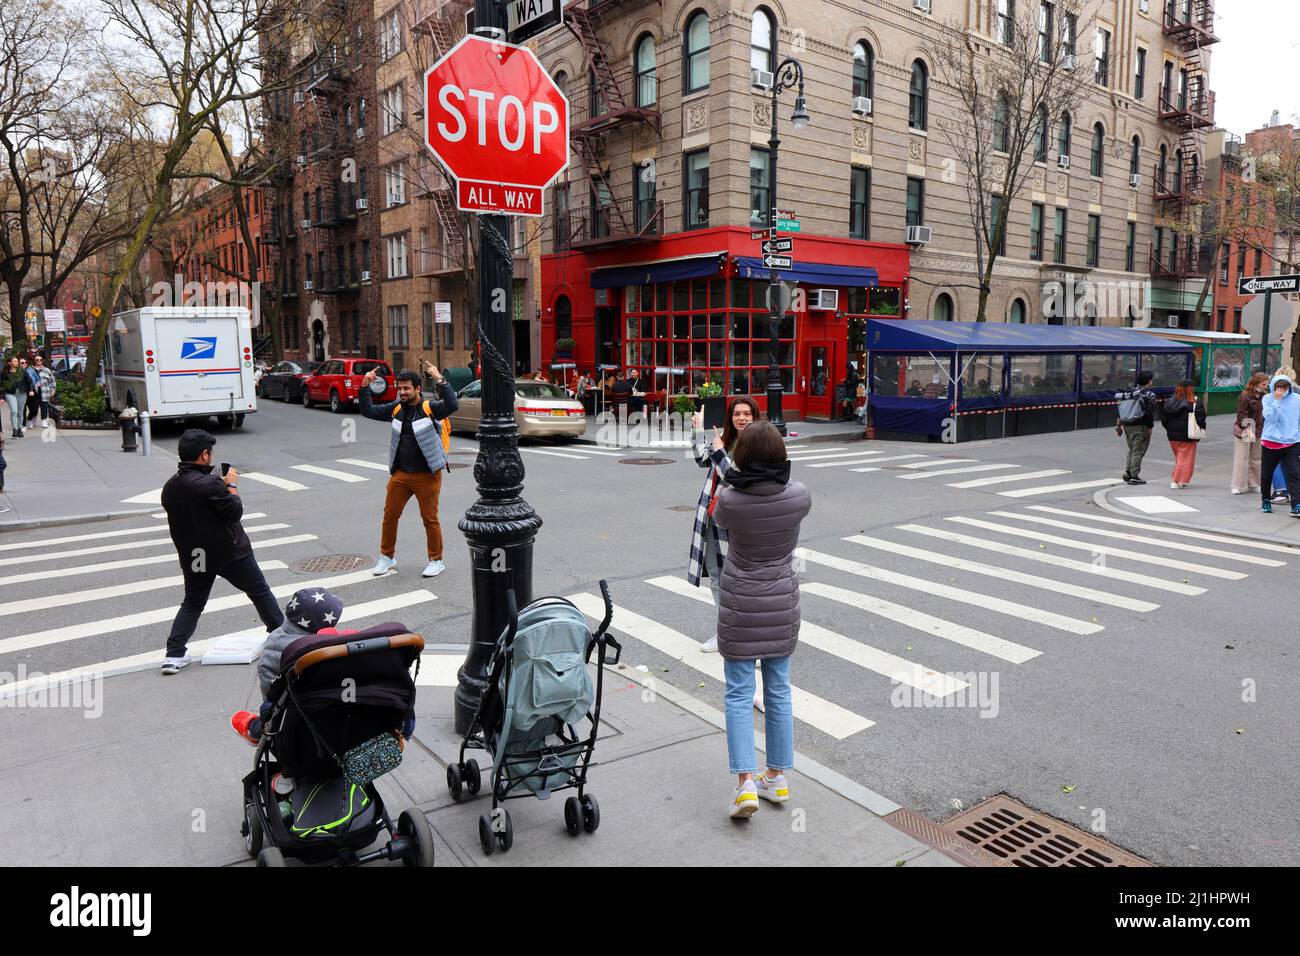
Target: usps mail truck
point(182, 362)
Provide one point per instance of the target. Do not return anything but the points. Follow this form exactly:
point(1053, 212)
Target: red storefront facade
point(697, 301)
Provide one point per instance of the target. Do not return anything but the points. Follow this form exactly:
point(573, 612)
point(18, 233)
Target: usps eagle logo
point(200, 347)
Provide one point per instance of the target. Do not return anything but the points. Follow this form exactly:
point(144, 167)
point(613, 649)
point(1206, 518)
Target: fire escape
point(1178, 186)
point(327, 148)
point(603, 107)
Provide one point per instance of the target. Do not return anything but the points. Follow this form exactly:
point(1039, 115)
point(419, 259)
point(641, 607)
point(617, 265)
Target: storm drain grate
point(328, 563)
point(645, 461)
point(1020, 836)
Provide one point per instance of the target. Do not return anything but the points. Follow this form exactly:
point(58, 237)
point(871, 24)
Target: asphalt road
point(1095, 685)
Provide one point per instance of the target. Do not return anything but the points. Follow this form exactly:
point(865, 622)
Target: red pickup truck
point(337, 382)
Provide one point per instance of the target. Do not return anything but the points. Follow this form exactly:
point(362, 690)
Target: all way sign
point(1256, 285)
point(475, 196)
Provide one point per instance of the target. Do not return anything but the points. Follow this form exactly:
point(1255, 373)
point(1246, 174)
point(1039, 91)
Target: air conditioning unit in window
point(1172, 321)
point(827, 300)
point(365, 275)
point(922, 5)
point(304, 224)
point(760, 79)
point(918, 235)
point(1135, 180)
point(302, 160)
point(861, 106)
point(363, 204)
point(308, 285)
point(1067, 61)
point(1063, 162)
point(361, 132)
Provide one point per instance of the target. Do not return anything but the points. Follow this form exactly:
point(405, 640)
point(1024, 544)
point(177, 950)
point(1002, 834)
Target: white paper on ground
point(240, 650)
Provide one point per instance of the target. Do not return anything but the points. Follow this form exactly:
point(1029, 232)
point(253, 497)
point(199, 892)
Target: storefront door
point(819, 374)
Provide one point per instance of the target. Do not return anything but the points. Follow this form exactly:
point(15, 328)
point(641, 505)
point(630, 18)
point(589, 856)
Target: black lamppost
point(787, 75)
point(500, 527)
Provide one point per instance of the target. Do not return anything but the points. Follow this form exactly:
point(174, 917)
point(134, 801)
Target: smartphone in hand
point(225, 468)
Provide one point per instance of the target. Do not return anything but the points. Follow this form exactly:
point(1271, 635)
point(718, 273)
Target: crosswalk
point(929, 605)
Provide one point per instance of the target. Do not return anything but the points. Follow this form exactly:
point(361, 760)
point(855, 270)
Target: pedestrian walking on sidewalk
point(761, 510)
point(203, 514)
point(1137, 414)
point(1246, 429)
point(416, 460)
point(1281, 442)
point(16, 387)
point(1184, 419)
point(46, 385)
point(707, 553)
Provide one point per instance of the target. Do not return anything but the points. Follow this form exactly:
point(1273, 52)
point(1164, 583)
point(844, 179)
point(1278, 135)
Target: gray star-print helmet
point(314, 608)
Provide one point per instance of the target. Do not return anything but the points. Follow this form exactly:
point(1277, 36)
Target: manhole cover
point(645, 461)
point(327, 563)
point(1020, 836)
point(683, 507)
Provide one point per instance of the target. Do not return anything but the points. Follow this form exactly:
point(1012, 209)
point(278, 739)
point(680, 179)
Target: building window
point(864, 70)
point(695, 184)
point(1059, 236)
point(1178, 172)
point(561, 81)
point(647, 81)
point(1101, 48)
point(697, 52)
point(397, 331)
point(1046, 16)
point(1140, 79)
point(1069, 33)
point(760, 186)
point(1002, 123)
point(1094, 240)
point(1040, 136)
point(1130, 246)
point(561, 216)
point(390, 36)
point(943, 308)
point(391, 104)
point(647, 206)
point(1098, 147)
point(860, 203)
point(1259, 262)
point(1064, 135)
point(1162, 167)
point(915, 201)
point(997, 228)
point(1017, 315)
point(602, 204)
point(1221, 326)
point(448, 331)
point(1135, 157)
point(918, 97)
point(1006, 21)
point(397, 257)
point(762, 47)
point(426, 323)
point(563, 318)
point(1225, 265)
point(1036, 232)
point(395, 185)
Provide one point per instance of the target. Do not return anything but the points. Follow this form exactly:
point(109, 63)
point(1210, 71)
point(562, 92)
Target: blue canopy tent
point(962, 381)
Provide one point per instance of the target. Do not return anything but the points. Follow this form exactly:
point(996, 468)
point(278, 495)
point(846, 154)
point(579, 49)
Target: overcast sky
point(1255, 68)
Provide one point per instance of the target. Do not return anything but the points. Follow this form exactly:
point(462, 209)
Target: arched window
point(1002, 123)
point(864, 70)
point(1178, 172)
point(561, 81)
point(943, 308)
point(1063, 138)
point(1162, 167)
point(1040, 136)
point(762, 42)
point(563, 318)
point(1017, 316)
point(918, 97)
point(697, 52)
point(1135, 157)
point(1098, 145)
point(1195, 172)
point(647, 81)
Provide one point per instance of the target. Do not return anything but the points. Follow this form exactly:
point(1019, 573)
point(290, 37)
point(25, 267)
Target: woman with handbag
point(1184, 420)
point(1246, 430)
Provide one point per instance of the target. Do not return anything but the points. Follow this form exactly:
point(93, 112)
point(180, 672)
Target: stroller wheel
point(506, 837)
point(252, 830)
point(590, 813)
point(473, 778)
point(454, 781)
point(573, 816)
point(486, 838)
point(413, 824)
point(270, 856)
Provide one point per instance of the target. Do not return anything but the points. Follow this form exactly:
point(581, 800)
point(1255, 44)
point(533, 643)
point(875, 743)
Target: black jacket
point(202, 514)
point(1175, 418)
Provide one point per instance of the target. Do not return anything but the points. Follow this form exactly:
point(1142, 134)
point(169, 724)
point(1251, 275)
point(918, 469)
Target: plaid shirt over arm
point(718, 464)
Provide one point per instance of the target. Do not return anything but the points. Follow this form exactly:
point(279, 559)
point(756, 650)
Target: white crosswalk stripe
point(100, 535)
point(284, 484)
point(1054, 489)
point(955, 471)
point(553, 454)
point(864, 461)
point(362, 463)
point(939, 462)
point(1002, 479)
point(823, 455)
point(1290, 549)
point(104, 549)
point(330, 473)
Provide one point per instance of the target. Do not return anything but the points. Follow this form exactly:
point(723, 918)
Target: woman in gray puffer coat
point(758, 613)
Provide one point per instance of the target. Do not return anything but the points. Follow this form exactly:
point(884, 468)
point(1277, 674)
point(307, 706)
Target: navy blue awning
point(924, 335)
point(814, 273)
point(692, 267)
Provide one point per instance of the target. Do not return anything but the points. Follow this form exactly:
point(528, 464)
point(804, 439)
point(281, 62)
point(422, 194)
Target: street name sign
point(526, 19)
point(1255, 285)
point(778, 262)
point(778, 245)
point(762, 235)
point(787, 225)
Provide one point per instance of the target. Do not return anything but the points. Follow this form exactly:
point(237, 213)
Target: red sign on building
point(499, 124)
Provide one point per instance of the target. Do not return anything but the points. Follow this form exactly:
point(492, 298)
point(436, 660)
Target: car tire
point(306, 398)
point(336, 403)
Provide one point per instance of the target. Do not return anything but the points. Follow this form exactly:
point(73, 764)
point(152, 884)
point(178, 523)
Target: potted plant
point(715, 403)
point(564, 348)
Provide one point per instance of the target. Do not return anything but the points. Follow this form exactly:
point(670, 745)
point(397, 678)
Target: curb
point(69, 519)
point(1100, 498)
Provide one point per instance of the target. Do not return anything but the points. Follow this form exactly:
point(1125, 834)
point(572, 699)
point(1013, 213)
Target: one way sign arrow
point(778, 262)
point(778, 245)
point(1259, 284)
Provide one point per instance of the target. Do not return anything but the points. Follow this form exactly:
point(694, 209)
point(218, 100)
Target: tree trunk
point(1209, 282)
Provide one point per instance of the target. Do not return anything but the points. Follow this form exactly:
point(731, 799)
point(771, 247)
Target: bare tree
point(995, 110)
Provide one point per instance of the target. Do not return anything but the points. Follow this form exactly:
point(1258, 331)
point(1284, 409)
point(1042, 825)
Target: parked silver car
point(541, 410)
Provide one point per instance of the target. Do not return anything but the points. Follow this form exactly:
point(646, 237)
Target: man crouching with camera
point(416, 460)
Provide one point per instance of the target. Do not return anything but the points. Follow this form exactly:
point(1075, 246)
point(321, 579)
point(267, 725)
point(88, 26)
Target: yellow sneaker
point(774, 789)
point(745, 802)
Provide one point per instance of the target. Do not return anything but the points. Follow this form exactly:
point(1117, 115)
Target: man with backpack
point(416, 459)
point(1137, 414)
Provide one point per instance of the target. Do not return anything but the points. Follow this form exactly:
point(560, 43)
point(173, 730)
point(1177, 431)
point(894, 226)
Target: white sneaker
point(433, 569)
point(1238, 491)
point(745, 801)
point(1174, 484)
point(383, 565)
point(773, 789)
point(710, 646)
point(171, 665)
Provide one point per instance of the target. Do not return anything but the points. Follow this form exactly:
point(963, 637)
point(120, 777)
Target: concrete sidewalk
point(154, 780)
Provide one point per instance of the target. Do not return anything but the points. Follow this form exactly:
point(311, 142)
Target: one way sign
point(778, 262)
point(1255, 285)
point(777, 245)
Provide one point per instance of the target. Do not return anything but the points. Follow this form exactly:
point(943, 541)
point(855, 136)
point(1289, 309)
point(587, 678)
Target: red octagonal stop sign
point(499, 124)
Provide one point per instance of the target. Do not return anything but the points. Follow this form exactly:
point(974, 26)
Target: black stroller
point(340, 701)
point(538, 689)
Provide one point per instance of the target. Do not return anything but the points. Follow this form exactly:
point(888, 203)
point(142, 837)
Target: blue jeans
point(777, 712)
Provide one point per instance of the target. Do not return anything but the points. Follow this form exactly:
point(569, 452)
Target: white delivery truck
point(182, 362)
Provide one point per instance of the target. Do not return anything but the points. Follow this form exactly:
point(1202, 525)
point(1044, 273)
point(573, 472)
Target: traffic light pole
point(501, 526)
point(1263, 348)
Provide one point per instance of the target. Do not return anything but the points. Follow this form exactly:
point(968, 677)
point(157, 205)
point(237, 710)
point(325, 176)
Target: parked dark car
point(285, 380)
point(338, 380)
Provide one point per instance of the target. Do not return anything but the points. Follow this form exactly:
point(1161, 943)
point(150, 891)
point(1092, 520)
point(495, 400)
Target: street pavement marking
point(953, 471)
point(284, 484)
point(1004, 574)
point(864, 469)
point(161, 615)
point(196, 649)
point(941, 461)
point(1167, 529)
point(827, 717)
point(935, 626)
point(97, 536)
point(362, 463)
point(439, 670)
point(960, 595)
point(330, 473)
point(102, 549)
point(27, 605)
point(1056, 560)
point(1143, 539)
point(1072, 486)
point(864, 655)
point(999, 479)
point(1157, 504)
point(1096, 549)
point(819, 455)
point(863, 461)
point(153, 497)
point(555, 454)
point(619, 454)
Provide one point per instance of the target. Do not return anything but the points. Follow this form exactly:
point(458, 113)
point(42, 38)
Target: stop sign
point(496, 120)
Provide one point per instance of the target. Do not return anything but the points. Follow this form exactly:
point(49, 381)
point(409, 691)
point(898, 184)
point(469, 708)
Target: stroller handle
point(357, 647)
